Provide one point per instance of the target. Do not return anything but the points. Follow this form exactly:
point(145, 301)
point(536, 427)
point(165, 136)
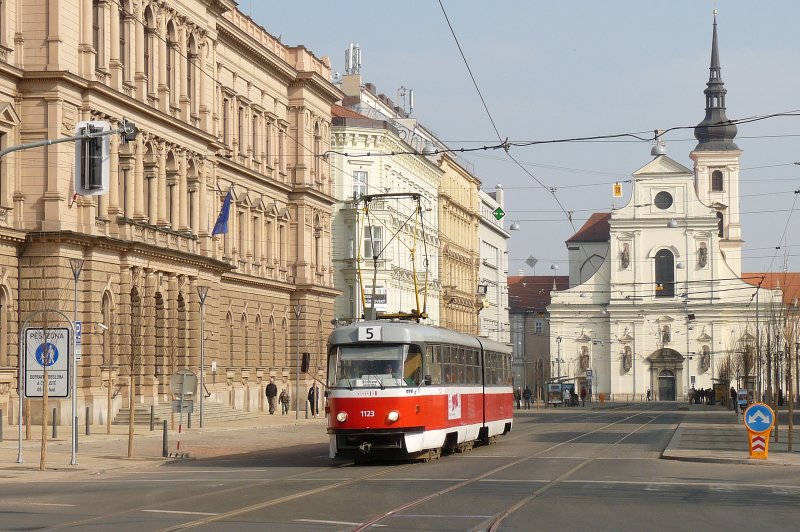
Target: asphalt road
point(570, 469)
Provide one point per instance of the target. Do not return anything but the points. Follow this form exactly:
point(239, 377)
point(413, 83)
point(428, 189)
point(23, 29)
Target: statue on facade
point(625, 256)
point(702, 255)
point(705, 359)
point(584, 358)
point(627, 360)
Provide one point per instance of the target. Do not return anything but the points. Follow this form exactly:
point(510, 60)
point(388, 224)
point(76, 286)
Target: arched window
point(246, 354)
point(97, 33)
point(716, 181)
point(105, 334)
point(191, 65)
point(271, 342)
point(665, 273)
point(229, 326)
point(150, 36)
point(721, 224)
point(317, 153)
point(124, 49)
point(171, 49)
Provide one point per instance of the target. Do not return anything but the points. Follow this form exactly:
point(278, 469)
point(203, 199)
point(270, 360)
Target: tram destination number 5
point(370, 334)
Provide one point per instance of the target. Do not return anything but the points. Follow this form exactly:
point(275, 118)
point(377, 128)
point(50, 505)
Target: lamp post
point(558, 360)
point(202, 292)
point(298, 309)
point(77, 267)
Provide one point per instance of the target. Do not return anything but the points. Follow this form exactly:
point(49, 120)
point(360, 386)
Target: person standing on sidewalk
point(518, 397)
point(735, 405)
point(583, 396)
point(526, 394)
point(272, 393)
point(312, 398)
point(284, 401)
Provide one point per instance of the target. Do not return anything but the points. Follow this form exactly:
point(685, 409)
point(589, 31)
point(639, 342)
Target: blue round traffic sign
point(759, 417)
point(46, 354)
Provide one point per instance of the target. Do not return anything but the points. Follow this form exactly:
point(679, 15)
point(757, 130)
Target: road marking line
point(177, 512)
point(47, 504)
point(325, 522)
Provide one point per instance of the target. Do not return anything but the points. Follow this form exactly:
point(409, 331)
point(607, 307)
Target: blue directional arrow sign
point(759, 418)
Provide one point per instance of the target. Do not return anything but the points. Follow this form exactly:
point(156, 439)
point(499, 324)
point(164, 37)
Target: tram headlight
point(341, 417)
point(393, 416)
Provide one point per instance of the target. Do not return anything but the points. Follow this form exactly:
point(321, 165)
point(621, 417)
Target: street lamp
point(202, 292)
point(77, 267)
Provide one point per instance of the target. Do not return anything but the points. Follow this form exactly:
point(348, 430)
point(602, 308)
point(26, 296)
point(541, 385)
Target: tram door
point(666, 386)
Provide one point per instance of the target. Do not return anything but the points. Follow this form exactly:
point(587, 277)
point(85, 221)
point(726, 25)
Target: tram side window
point(433, 363)
point(447, 373)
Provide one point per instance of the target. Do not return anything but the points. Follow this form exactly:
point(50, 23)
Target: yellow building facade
point(459, 219)
point(221, 105)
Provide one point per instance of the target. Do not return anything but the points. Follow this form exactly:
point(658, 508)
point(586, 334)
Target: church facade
point(657, 300)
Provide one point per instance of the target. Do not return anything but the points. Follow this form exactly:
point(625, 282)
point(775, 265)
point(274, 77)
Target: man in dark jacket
point(272, 393)
point(526, 394)
point(312, 399)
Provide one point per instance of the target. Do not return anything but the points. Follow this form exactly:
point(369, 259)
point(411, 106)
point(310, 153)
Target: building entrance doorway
point(666, 386)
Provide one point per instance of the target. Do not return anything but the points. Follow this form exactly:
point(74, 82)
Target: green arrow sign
point(498, 213)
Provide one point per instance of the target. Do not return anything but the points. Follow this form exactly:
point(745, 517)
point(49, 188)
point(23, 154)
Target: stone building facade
point(221, 106)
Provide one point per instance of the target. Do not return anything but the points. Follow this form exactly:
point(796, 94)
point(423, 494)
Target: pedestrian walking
point(648, 394)
point(583, 396)
point(284, 401)
point(527, 396)
point(271, 392)
point(518, 397)
point(312, 396)
point(566, 396)
point(735, 406)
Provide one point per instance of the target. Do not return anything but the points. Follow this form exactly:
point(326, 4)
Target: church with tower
point(657, 300)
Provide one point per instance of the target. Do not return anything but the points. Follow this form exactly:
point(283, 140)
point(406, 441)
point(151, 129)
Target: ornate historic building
point(656, 298)
point(220, 105)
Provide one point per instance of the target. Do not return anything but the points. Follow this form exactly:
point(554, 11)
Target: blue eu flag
point(221, 227)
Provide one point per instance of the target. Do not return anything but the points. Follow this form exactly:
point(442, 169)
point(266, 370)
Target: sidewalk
point(717, 435)
point(101, 453)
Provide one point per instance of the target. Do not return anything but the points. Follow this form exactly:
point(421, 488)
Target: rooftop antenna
point(352, 59)
point(406, 99)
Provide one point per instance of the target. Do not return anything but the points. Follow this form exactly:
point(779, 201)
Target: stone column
point(183, 194)
point(163, 50)
point(158, 189)
point(183, 59)
point(205, 112)
point(87, 45)
point(136, 188)
point(140, 74)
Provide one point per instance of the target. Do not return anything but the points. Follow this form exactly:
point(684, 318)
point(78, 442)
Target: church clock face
point(663, 200)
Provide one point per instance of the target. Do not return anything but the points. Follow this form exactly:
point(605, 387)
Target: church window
point(716, 181)
point(721, 225)
point(663, 200)
point(665, 273)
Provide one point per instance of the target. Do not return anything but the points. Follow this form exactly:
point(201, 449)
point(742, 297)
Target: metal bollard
point(165, 442)
point(55, 432)
point(87, 421)
point(152, 418)
point(189, 420)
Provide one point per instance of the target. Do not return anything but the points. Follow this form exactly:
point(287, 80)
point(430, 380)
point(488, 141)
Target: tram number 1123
point(367, 413)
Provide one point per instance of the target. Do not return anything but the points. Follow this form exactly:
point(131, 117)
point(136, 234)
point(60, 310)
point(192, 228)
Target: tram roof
point(412, 332)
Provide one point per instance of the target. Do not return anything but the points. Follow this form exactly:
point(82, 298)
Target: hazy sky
point(563, 69)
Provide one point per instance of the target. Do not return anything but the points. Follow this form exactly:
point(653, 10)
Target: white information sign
point(372, 333)
point(51, 348)
point(78, 331)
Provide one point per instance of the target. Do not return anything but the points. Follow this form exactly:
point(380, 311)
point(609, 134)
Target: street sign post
point(47, 347)
point(758, 420)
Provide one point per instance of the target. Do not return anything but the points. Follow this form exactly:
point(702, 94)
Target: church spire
point(714, 133)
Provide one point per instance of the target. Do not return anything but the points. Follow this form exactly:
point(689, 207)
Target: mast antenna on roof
point(352, 59)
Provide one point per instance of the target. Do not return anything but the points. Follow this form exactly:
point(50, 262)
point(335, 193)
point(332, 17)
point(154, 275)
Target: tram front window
point(373, 366)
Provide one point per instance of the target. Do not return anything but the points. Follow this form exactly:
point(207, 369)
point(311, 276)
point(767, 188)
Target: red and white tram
point(407, 390)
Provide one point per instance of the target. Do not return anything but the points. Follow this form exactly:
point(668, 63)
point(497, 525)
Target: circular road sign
point(759, 418)
point(46, 354)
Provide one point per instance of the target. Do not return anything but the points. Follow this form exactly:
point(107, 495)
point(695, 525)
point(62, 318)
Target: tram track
point(496, 520)
point(334, 485)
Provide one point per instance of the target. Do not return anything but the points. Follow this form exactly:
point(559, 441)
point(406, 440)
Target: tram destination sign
point(47, 348)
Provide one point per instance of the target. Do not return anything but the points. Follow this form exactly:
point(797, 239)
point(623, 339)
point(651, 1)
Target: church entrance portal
point(666, 386)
